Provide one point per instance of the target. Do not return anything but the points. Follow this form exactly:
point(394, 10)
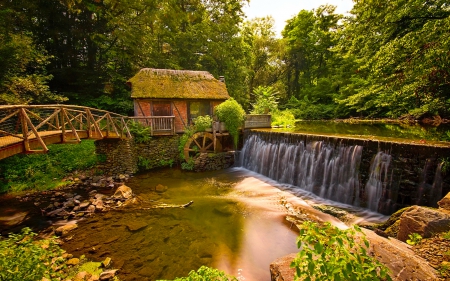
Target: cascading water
point(378, 175)
point(378, 179)
point(330, 171)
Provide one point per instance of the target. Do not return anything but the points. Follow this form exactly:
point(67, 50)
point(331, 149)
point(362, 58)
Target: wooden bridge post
point(63, 126)
point(23, 121)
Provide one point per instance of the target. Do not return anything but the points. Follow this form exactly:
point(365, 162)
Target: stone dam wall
point(379, 175)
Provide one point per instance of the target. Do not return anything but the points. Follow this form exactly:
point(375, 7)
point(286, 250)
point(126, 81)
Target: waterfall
point(382, 177)
point(328, 170)
point(378, 179)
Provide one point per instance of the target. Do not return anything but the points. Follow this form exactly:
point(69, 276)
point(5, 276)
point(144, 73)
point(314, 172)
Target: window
point(161, 108)
point(199, 108)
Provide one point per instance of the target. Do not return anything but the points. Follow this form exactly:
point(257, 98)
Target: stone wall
point(119, 156)
point(159, 152)
point(127, 157)
point(214, 161)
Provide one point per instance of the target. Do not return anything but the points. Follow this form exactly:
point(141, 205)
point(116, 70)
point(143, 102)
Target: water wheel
point(201, 142)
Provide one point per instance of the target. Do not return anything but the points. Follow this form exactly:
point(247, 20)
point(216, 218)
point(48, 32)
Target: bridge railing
point(31, 123)
point(159, 125)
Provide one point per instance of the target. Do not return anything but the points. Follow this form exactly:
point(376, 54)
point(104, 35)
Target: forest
point(386, 59)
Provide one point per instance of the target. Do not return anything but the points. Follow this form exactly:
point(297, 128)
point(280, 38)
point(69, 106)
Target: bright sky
point(282, 10)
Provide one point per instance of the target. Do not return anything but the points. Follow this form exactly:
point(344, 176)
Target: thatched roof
point(176, 84)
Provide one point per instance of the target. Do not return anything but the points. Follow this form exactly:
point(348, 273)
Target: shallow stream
point(237, 223)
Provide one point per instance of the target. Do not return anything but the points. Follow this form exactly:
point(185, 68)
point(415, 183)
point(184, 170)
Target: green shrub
point(328, 253)
point(265, 100)
point(205, 273)
point(232, 114)
point(202, 123)
point(414, 239)
point(23, 258)
point(46, 171)
point(140, 132)
point(189, 165)
point(283, 118)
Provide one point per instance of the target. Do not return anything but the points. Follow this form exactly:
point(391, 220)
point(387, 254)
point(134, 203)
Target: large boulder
point(445, 202)
point(403, 264)
point(424, 221)
point(280, 269)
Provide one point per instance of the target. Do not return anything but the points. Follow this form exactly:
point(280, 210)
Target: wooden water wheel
point(201, 142)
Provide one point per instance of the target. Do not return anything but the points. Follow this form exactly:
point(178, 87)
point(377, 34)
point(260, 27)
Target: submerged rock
point(107, 275)
point(63, 230)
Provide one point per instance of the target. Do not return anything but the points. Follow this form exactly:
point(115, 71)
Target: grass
point(39, 172)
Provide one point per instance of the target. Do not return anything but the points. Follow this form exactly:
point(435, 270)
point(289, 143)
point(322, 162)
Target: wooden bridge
point(30, 128)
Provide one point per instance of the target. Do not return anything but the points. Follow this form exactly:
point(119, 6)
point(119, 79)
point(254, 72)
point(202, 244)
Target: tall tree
point(23, 76)
point(402, 48)
point(265, 65)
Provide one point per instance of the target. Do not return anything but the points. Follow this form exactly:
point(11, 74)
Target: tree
point(23, 76)
point(311, 61)
point(265, 65)
point(402, 49)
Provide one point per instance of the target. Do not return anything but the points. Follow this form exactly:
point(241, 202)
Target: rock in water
point(123, 191)
point(107, 275)
point(63, 230)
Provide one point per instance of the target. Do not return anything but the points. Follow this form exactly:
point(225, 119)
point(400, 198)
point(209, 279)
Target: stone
point(136, 226)
point(161, 188)
point(444, 203)
point(108, 275)
point(106, 262)
point(81, 276)
point(94, 278)
point(280, 269)
point(73, 261)
point(63, 230)
point(85, 204)
point(123, 192)
point(91, 209)
point(424, 221)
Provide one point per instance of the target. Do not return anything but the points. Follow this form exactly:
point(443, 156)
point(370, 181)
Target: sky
point(282, 10)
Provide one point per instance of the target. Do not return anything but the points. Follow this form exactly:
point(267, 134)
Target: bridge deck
point(30, 128)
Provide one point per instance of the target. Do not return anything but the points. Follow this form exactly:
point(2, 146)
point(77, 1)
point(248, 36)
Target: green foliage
point(23, 258)
point(205, 273)
point(188, 165)
point(143, 163)
point(283, 118)
point(447, 235)
point(202, 123)
point(265, 101)
point(328, 253)
point(306, 109)
point(46, 171)
point(165, 163)
point(414, 239)
point(232, 114)
point(140, 132)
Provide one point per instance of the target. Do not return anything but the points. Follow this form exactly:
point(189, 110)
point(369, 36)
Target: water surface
point(221, 229)
point(379, 129)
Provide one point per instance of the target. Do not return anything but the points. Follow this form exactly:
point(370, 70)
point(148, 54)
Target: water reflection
point(220, 229)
